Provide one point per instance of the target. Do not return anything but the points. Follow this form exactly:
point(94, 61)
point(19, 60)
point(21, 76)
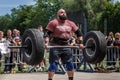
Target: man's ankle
point(70, 78)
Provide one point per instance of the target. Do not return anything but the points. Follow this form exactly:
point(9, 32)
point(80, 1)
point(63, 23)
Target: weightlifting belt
point(60, 41)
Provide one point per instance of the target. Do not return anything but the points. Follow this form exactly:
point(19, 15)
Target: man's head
point(61, 15)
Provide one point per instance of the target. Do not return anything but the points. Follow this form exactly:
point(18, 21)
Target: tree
point(45, 11)
point(112, 15)
point(4, 22)
point(91, 9)
point(24, 16)
point(21, 17)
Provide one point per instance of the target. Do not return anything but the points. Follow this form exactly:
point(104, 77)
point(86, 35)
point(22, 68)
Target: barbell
point(33, 46)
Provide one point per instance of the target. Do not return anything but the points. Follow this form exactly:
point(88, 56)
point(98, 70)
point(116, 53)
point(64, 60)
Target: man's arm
point(79, 38)
point(47, 33)
point(47, 37)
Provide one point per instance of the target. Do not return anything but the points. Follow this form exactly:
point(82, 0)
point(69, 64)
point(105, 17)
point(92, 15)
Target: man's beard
point(62, 17)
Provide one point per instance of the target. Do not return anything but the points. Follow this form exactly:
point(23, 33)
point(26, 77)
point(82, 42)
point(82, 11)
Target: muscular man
point(60, 29)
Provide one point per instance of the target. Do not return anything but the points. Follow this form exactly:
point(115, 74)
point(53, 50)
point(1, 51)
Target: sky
point(7, 5)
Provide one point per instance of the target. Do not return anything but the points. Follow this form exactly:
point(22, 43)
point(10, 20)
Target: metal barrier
point(112, 58)
point(110, 62)
point(79, 62)
point(10, 58)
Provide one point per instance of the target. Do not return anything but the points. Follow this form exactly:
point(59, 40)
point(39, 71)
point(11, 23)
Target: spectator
point(116, 45)
point(43, 62)
point(16, 53)
point(3, 40)
point(0, 58)
point(9, 39)
point(110, 40)
point(40, 28)
point(16, 33)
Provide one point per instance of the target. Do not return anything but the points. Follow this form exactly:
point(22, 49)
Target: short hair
point(1, 32)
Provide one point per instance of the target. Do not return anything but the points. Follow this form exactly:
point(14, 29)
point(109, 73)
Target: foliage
point(21, 17)
point(91, 9)
point(95, 11)
point(45, 11)
point(4, 22)
point(25, 16)
point(112, 15)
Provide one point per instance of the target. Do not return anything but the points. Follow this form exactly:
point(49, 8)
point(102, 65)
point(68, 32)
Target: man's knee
point(52, 67)
point(69, 66)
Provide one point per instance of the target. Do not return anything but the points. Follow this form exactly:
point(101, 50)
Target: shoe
point(110, 67)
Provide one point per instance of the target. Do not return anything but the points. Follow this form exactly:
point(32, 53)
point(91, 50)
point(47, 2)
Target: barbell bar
point(77, 47)
point(68, 46)
point(48, 47)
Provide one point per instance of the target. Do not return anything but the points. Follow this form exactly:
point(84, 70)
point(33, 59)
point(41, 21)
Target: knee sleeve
point(69, 66)
point(52, 67)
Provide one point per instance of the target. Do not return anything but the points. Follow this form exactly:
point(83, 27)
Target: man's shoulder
point(69, 21)
point(54, 20)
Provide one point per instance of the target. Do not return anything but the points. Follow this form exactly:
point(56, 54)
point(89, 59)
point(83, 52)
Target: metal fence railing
point(111, 60)
point(10, 59)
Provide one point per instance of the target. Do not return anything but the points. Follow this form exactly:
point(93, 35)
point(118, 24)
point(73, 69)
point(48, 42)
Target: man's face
point(62, 14)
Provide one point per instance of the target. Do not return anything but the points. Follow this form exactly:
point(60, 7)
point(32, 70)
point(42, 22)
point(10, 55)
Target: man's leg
point(51, 70)
point(50, 75)
point(70, 75)
point(70, 71)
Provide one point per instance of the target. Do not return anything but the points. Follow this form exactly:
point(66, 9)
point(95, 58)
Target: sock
point(70, 78)
point(49, 79)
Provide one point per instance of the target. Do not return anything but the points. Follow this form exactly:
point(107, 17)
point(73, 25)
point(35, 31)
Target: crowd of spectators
point(12, 57)
point(11, 38)
point(113, 51)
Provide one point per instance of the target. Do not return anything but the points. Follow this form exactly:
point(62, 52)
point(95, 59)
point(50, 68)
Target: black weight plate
point(34, 52)
point(96, 40)
point(103, 47)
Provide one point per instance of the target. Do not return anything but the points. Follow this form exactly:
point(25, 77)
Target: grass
point(25, 66)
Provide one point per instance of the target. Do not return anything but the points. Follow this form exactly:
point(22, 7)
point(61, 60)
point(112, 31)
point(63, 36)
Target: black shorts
point(65, 54)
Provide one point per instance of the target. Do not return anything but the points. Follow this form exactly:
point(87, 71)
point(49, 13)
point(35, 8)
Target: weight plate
point(97, 43)
point(34, 52)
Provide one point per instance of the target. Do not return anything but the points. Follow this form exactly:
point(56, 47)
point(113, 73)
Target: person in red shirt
point(59, 30)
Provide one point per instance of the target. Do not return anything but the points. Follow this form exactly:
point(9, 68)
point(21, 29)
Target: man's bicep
point(50, 26)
